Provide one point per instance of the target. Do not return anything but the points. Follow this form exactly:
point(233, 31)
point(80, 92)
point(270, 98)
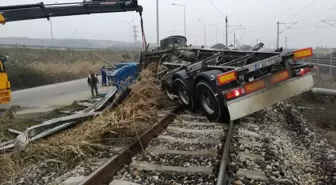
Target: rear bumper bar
point(261, 99)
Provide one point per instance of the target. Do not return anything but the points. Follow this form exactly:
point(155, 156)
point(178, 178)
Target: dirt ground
point(35, 67)
point(319, 110)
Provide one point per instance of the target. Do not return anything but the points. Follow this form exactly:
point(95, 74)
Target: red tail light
point(234, 93)
point(304, 71)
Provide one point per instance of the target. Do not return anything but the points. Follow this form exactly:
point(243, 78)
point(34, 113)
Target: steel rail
point(222, 178)
point(110, 167)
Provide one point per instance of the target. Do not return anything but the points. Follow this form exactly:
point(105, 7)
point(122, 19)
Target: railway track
point(184, 148)
point(186, 152)
point(247, 156)
point(181, 148)
point(191, 150)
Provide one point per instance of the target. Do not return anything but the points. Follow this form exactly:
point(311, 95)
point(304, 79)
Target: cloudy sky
point(316, 22)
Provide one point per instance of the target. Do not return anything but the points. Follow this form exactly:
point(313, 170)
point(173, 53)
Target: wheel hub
point(184, 95)
point(208, 102)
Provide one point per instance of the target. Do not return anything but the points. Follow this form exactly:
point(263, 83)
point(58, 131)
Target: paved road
point(52, 96)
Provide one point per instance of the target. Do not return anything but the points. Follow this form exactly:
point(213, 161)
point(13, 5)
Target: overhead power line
point(330, 24)
point(318, 13)
point(303, 8)
point(288, 27)
point(213, 4)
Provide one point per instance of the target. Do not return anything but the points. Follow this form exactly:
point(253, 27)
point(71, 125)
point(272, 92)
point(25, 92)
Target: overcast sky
point(316, 22)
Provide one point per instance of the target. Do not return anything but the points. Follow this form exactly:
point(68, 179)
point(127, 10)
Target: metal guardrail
point(54, 125)
point(322, 62)
point(324, 92)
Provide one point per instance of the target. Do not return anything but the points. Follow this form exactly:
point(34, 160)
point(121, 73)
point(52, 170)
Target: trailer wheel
point(211, 106)
point(167, 88)
point(183, 94)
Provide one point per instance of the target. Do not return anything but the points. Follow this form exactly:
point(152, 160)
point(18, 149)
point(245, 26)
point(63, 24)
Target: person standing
point(103, 75)
point(93, 81)
point(109, 73)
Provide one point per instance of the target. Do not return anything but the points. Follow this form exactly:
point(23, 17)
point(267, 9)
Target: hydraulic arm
point(41, 10)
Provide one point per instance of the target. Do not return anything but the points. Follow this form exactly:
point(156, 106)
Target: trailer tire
point(211, 106)
point(168, 89)
point(184, 95)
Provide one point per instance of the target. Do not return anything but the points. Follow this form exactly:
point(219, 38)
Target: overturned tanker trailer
point(229, 84)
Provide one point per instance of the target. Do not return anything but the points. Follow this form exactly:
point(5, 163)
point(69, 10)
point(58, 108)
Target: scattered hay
point(94, 137)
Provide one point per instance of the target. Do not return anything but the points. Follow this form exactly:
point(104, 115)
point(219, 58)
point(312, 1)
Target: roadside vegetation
point(35, 67)
point(319, 111)
point(92, 138)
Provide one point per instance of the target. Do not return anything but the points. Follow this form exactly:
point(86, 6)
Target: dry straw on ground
point(8, 114)
point(93, 137)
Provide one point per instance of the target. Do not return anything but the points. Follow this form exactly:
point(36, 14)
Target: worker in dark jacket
point(93, 81)
point(103, 75)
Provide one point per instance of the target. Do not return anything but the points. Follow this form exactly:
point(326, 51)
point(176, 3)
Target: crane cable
point(144, 42)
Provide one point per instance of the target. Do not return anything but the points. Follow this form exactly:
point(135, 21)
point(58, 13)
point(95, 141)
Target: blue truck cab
point(124, 74)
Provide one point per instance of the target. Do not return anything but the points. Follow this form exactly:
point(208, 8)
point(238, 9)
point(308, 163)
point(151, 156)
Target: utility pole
point(286, 42)
point(278, 30)
point(217, 35)
point(234, 40)
point(278, 25)
point(185, 21)
point(74, 34)
point(226, 30)
point(129, 30)
point(157, 24)
point(135, 34)
point(257, 41)
point(204, 35)
point(204, 32)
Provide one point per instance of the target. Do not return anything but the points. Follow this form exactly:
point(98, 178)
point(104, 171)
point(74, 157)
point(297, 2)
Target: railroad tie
point(162, 168)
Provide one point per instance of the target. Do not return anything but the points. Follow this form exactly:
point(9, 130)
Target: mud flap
point(261, 99)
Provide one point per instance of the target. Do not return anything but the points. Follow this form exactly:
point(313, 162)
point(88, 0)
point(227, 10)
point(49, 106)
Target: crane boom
point(41, 10)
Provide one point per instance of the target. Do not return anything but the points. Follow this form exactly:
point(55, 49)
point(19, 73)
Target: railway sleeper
point(248, 161)
point(171, 157)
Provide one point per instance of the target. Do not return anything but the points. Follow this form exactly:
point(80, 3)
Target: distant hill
point(70, 43)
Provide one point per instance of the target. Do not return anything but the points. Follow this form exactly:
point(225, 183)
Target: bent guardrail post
point(122, 97)
point(7, 146)
point(100, 105)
